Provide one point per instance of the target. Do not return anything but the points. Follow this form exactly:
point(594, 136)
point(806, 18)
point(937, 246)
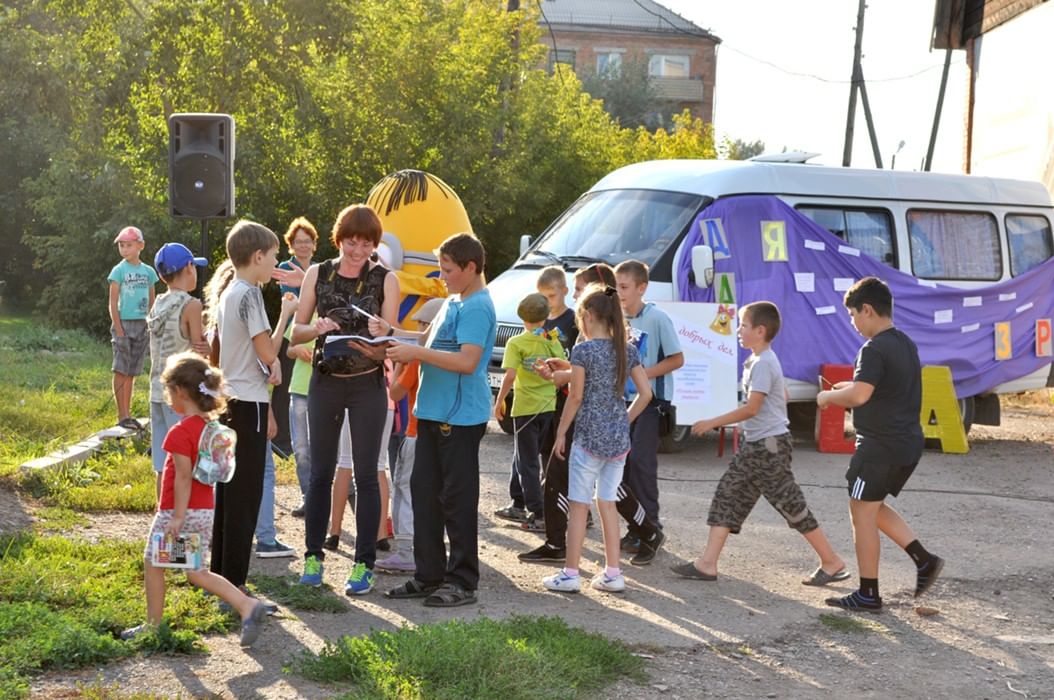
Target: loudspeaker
point(201, 166)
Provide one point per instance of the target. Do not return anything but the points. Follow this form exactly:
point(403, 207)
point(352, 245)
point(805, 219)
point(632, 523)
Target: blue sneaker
point(360, 580)
point(272, 550)
point(312, 572)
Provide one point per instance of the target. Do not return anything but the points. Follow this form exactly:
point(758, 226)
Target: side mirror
point(525, 243)
point(702, 265)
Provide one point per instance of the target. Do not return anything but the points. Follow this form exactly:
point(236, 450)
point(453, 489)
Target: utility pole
point(937, 112)
point(859, 85)
point(507, 83)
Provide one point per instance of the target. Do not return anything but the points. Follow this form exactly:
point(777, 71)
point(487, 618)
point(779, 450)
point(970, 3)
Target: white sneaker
point(611, 584)
point(563, 583)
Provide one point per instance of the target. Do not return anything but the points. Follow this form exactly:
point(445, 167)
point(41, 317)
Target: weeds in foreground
point(521, 657)
point(63, 603)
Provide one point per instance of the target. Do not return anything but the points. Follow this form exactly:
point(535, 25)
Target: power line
point(813, 76)
point(552, 37)
point(787, 71)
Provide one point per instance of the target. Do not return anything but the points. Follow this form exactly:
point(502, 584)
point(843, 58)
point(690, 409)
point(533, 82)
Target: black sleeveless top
point(334, 296)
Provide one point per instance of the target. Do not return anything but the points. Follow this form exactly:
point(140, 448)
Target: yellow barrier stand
point(939, 400)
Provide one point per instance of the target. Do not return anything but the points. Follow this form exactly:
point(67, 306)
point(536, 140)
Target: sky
point(765, 43)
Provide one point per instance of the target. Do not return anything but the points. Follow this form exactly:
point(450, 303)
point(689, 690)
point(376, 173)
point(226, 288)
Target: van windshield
point(616, 225)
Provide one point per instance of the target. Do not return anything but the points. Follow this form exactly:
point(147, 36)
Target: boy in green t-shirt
point(533, 404)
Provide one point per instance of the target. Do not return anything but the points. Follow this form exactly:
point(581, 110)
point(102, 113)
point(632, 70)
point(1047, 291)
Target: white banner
point(707, 384)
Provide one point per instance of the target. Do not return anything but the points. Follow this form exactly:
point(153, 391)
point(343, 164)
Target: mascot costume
point(418, 211)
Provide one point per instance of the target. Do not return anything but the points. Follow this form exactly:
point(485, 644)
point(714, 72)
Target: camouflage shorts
point(761, 468)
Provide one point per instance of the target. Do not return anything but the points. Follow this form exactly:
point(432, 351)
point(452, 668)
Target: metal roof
point(719, 178)
point(633, 15)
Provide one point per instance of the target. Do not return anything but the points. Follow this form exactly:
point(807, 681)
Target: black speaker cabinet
point(201, 166)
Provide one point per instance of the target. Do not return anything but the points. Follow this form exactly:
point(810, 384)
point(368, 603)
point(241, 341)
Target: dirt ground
point(756, 632)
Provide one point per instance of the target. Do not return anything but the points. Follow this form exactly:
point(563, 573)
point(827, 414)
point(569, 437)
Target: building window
point(868, 230)
point(1030, 242)
point(609, 64)
point(668, 66)
point(564, 56)
point(954, 245)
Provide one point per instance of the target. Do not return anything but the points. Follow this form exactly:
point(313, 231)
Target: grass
point(518, 658)
point(285, 591)
point(56, 390)
point(853, 624)
point(120, 478)
point(58, 519)
point(63, 602)
point(99, 691)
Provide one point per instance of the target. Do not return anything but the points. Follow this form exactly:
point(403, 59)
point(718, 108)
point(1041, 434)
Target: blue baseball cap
point(173, 257)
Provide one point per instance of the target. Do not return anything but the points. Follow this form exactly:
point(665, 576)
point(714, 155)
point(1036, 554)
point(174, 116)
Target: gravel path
point(754, 633)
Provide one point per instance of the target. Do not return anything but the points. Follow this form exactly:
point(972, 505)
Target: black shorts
point(875, 473)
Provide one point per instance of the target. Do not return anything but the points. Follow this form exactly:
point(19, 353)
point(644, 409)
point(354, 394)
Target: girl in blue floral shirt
point(599, 367)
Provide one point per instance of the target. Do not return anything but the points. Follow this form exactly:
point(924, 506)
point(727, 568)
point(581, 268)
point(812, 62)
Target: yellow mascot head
point(418, 212)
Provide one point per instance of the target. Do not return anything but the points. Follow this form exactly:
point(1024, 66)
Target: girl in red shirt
point(193, 389)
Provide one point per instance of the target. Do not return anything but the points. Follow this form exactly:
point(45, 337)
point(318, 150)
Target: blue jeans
point(265, 531)
point(301, 443)
point(162, 417)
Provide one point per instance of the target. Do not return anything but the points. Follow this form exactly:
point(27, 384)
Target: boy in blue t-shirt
point(453, 406)
point(660, 353)
point(131, 296)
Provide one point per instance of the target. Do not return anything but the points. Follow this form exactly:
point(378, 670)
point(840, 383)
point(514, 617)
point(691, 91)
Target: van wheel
point(966, 410)
point(675, 441)
point(802, 415)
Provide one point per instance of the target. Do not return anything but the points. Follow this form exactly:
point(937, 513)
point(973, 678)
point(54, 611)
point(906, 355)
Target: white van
point(644, 212)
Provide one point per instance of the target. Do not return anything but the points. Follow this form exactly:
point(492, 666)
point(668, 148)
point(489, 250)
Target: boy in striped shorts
point(886, 398)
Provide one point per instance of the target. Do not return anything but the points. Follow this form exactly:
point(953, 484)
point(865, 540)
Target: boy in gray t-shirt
point(762, 467)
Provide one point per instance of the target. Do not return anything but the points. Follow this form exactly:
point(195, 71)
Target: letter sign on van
point(714, 233)
point(1004, 349)
point(1043, 338)
point(725, 284)
point(774, 241)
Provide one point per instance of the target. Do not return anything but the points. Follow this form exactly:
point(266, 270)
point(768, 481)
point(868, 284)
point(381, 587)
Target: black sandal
point(412, 589)
point(450, 595)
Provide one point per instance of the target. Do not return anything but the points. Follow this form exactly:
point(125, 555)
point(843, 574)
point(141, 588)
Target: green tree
point(739, 149)
point(327, 98)
point(628, 94)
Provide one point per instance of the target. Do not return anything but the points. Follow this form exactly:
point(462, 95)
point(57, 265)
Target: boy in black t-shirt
point(886, 395)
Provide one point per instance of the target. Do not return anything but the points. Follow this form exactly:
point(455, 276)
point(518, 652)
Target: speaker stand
point(205, 254)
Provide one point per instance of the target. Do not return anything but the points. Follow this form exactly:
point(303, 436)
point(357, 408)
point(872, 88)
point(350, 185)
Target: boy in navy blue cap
point(174, 324)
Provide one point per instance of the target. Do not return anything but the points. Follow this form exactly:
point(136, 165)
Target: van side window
point(954, 245)
point(869, 230)
point(1030, 241)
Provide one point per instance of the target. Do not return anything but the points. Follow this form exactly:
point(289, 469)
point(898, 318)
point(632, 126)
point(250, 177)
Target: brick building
point(596, 35)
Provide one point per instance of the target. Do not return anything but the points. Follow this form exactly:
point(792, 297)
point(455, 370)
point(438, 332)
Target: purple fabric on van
point(808, 339)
